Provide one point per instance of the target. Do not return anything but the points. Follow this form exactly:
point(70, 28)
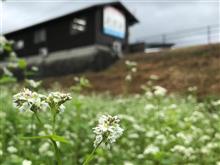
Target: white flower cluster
point(186, 151)
point(151, 91)
point(130, 64)
point(149, 107)
point(154, 77)
point(216, 103)
point(132, 68)
point(56, 100)
point(7, 72)
point(28, 100)
point(33, 101)
point(187, 138)
point(26, 162)
point(44, 148)
point(33, 84)
point(107, 130)
point(12, 149)
point(151, 149)
point(159, 91)
point(192, 89)
point(128, 77)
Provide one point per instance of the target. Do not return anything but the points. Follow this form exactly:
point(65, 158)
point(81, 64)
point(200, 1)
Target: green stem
point(54, 122)
point(57, 152)
point(38, 119)
point(40, 122)
point(91, 155)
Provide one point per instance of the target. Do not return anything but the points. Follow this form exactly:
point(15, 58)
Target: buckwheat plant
point(27, 100)
point(81, 83)
point(107, 132)
point(131, 70)
point(32, 84)
point(192, 92)
point(13, 63)
point(149, 86)
point(159, 91)
point(55, 101)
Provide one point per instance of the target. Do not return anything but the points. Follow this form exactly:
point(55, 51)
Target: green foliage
point(54, 137)
point(7, 79)
point(12, 63)
point(131, 67)
point(22, 64)
point(33, 85)
point(162, 130)
point(81, 83)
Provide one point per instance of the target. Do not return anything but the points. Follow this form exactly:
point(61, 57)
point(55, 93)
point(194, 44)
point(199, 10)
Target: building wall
point(58, 35)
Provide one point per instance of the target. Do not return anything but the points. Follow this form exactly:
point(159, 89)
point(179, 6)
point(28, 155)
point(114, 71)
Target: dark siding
point(27, 37)
point(58, 35)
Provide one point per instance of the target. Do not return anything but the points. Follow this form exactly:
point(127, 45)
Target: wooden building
point(87, 38)
point(101, 24)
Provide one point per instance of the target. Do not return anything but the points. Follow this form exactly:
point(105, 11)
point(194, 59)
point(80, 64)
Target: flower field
point(157, 129)
point(154, 127)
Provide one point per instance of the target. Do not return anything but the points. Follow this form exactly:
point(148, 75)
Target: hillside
point(178, 69)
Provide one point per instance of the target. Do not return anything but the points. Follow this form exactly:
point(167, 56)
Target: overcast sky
point(155, 16)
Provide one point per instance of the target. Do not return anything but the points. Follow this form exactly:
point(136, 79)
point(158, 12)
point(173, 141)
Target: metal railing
point(201, 35)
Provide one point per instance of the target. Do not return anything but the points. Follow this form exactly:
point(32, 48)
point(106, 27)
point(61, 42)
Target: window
point(40, 36)
point(78, 25)
point(19, 44)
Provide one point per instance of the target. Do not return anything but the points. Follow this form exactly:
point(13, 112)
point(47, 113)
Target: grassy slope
point(178, 69)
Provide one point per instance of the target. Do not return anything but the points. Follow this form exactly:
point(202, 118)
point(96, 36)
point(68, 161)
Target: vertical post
point(208, 34)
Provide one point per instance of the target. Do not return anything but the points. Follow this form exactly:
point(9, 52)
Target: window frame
point(40, 36)
point(80, 25)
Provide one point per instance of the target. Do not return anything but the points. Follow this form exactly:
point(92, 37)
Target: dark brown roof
point(129, 16)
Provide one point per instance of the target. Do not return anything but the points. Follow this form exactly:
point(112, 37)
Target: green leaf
point(59, 139)
point(30, 73)
point(54, 137)
point(22, 64)
point(8, 48)
point(36, 137)
point(7, 80)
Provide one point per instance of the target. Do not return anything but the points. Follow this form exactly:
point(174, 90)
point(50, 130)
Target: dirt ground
point(177, 69)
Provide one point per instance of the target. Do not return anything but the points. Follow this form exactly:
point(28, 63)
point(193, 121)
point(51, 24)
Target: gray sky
point(156, 16)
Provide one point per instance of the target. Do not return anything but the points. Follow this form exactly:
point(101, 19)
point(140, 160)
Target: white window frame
point(78, 25)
